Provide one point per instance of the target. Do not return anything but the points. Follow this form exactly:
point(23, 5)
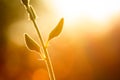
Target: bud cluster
point(25, 2)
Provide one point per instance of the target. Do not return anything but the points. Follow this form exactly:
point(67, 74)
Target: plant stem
point(47, 59)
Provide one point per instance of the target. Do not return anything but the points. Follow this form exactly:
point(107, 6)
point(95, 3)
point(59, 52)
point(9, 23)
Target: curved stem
point(32, 15)
point(47, 60)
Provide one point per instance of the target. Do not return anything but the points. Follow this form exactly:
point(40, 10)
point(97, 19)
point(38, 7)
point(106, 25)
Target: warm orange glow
point(87, 49)
point(86, 15)
point(96, 9)
point(40, 74)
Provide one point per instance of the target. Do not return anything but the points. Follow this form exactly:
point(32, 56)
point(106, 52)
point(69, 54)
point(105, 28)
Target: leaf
point(31, 44)
point(57, 30)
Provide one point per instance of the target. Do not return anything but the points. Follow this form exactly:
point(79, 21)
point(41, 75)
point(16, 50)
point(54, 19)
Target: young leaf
point(31, 44)
point(57, 30)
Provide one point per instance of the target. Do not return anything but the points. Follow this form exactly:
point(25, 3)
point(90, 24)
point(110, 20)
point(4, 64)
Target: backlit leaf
point(57, 30)
point(31, 44)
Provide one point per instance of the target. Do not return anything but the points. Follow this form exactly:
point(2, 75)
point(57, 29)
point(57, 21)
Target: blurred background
point(87, 49)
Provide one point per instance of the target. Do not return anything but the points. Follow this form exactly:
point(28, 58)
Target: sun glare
point(95, 9)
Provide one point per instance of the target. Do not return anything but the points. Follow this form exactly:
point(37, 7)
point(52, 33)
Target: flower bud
point(25, 2)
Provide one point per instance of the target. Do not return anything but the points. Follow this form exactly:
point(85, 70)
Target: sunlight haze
point(95, 9)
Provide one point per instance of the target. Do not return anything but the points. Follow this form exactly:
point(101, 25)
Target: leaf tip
point(57, 30)
point(62, 19)
point(25, 34)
